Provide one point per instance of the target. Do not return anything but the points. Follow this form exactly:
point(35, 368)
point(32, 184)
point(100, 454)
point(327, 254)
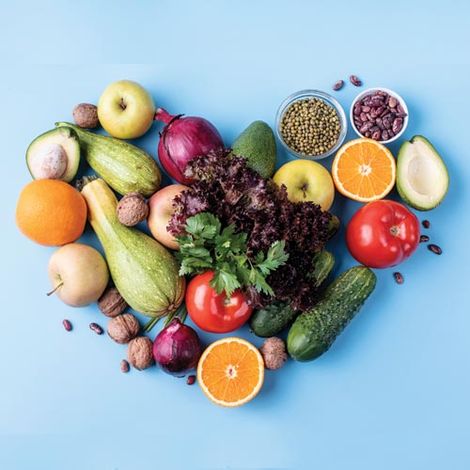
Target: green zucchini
point(271, 320)
point(125, 167)
point(314, 331)
point(144, 272)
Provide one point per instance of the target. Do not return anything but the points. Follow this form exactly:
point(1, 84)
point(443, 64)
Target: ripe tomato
point(382, 234)
point(215, 312)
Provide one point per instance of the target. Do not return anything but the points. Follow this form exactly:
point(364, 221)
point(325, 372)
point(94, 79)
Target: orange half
point(231, 372)
point(364, 170)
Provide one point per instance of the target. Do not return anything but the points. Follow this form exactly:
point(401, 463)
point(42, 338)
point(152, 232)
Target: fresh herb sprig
point(207, 246)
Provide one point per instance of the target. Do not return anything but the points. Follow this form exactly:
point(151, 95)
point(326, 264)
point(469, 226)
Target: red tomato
point(382, 234)
point(214, 312)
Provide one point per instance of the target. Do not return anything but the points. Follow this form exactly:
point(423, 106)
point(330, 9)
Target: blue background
point(393, 392)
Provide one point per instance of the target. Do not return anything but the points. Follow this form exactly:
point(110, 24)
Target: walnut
point(132, 209)
point(123, 328)
point(86, 115)
point(111, 303)
point(139, 352)
point(274, 353)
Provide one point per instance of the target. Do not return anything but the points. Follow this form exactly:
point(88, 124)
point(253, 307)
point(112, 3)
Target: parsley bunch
point(207, 246)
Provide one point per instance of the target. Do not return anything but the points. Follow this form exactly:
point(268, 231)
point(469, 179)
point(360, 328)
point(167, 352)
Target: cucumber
point(314, 331)
point(125, 167)
point(271, 320)
point(144, 272)
point(323, 263)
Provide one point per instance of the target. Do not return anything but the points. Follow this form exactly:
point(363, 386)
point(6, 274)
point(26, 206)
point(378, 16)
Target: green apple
point(306, 180)
point(78, 274)
point(126, 110)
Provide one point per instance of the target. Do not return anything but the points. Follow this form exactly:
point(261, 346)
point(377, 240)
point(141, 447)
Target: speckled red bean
point(423, 239)
point(67, 325)
point(338, 85)
point(437, 250)
point(355, 80)
point(426, 223)
point(191, 379)
point(96, 328)
point(124, 366)
point(399, 279)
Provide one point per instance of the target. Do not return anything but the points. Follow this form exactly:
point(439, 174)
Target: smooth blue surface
point(393, 392)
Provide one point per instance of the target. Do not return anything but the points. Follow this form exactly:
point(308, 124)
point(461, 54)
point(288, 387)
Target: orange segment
point(231, 372)
point(364, 170)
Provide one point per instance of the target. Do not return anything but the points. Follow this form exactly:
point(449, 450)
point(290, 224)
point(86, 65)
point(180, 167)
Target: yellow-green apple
point(78, 274)
point(306, 180)
point(126, 109)
point(161, 210)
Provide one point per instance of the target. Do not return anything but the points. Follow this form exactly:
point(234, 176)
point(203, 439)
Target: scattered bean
point(191, 379)
point(124, 366)
point(423, 239)
point(96, 328)
point(426, 223)
point(67, 325)
point(338, 85)
point(355, 80)
point(399, 279)
point(437, 250)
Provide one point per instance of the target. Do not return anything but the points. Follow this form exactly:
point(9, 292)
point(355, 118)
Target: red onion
point(182, 139)
point(177, 348)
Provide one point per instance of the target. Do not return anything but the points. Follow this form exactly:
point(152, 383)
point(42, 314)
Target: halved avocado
point(422, 177)
point(54, 155)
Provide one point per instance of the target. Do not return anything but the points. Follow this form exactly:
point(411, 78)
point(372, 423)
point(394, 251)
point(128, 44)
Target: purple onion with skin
point(177, 348)
point(183, 138)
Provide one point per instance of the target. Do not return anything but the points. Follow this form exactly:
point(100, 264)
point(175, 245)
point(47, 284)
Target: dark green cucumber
point(271, 320)
point(125, 167)
point(323, 263)
point(314, 331)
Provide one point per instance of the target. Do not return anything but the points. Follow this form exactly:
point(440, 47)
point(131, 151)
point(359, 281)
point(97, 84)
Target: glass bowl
point(328, 99)
point(371, 91)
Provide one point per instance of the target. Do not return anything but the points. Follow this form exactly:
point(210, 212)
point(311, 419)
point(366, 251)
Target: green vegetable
point(54, 155)
point(257, 145)
point(125, 167)
point(144, 272)
point(206, 246)
point(314, 331)
point(422, 177)
point(323, 263)
point(271, 320)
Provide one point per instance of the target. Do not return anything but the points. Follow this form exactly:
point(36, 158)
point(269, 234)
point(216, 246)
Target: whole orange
point(51, 212)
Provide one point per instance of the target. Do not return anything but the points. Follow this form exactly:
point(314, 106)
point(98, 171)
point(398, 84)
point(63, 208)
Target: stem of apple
point(61, 283)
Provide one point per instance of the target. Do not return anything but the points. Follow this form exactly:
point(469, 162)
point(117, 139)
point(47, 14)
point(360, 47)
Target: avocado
point(258, 146)
point(54, 155)
point(422, 177)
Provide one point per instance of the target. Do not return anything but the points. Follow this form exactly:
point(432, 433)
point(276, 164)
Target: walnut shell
point(139, 352)
point(132, 209)
point(86, 115)
point(111, 303)
point(274, 353)
point(123, 328)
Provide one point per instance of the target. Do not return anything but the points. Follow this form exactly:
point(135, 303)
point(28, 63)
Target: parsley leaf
point(208, 246)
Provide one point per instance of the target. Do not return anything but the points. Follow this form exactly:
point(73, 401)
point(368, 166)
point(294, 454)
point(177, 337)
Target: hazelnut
point(86, 115)
point(139, 352)
point(132, 209)
point(111, 303)
point(274, 353)
point(123, 328)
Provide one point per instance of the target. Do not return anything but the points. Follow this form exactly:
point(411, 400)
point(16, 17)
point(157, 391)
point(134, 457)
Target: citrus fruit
point(231, 372)
point(51, 212)
point(364, 170)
